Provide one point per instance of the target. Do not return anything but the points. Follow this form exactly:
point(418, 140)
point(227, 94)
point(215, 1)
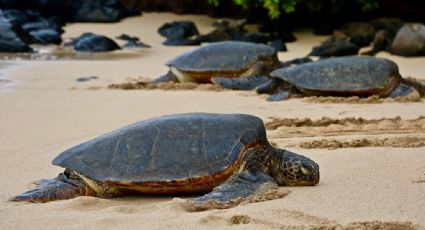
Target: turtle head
point(295, 170)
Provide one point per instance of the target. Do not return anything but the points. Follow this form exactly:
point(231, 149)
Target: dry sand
point(45, 110)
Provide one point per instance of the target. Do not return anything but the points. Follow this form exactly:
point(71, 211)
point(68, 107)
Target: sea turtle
point(340, 76)
point(178, 154)
point(227, 59)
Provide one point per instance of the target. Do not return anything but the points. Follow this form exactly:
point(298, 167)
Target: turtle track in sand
point(347, 132)
point(167, 86)
point(304, 221)
point(358, 100)
point(143, 84)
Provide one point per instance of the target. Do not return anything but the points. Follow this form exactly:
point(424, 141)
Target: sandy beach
point(372, 169)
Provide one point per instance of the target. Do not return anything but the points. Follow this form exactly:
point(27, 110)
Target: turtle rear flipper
point(403, 90)
point(244, 187)
point(59, 188)
point(241, 83)
point(420, 87)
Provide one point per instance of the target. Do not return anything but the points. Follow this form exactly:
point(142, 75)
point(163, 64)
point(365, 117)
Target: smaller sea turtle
point(226, 156)
point(341, 76)
point(227, 59)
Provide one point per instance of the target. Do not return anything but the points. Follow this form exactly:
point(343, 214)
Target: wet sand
point(46, 110)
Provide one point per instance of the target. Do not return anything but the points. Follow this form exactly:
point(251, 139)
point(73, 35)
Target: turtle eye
point(306, 171)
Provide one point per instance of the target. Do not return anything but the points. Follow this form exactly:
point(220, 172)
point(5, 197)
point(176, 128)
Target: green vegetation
point(276, 7)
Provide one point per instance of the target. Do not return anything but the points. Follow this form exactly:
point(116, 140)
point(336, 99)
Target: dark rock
point(360, 33)
point(182, 42)
point(135, 44)
point(132, 41)
point(391, 25)
point(257, 37)
point(324, 29)
point(226, 34)
point(97, 11)
point(17, 15)
point(410, 40)
point(387, 29)
point(12, 37)
point(228, 31)
point(225, 8)
point(277, 28)
point(83, 79)
point(101, 10)
point(41, 30)
point(43, 24)
point(278, 45)
point(381, 42)
point(296, 61)
point(178, 29)
point(45, 36)
point(89, 42)
point(127, 37)
point(335, 46)
point(287, 36)
point(79, 10)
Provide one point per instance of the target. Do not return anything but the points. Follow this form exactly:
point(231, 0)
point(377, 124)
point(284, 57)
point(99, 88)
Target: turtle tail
point(64, 186)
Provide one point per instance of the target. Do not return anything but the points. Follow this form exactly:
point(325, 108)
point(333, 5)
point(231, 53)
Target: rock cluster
point(385, 34)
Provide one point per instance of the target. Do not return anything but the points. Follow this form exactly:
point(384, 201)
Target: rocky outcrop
point(410, 40)
point(12, 37)
point(41, 30)
point(79, 10)
point(360, 33)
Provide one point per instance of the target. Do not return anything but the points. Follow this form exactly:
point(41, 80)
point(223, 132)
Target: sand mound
point(360, 100)
point(326, 121)
point(306, 222)
point(143, 84)
point(397, 142)
point(380, 225)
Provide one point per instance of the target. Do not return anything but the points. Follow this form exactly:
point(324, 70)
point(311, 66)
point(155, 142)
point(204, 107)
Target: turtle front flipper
point(279, 95)
point(268, 86)
point(240, 83)
point(243, 187)
point(168, 77)
point(278, 89)
point(60, 188)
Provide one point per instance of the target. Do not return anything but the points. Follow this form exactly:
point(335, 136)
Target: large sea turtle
point(227, 59)
point(341, 76)
point(178, 154)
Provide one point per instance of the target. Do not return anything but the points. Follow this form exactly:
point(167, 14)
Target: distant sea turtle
point(227, 59)
point(178, 154)
point(343, 76)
